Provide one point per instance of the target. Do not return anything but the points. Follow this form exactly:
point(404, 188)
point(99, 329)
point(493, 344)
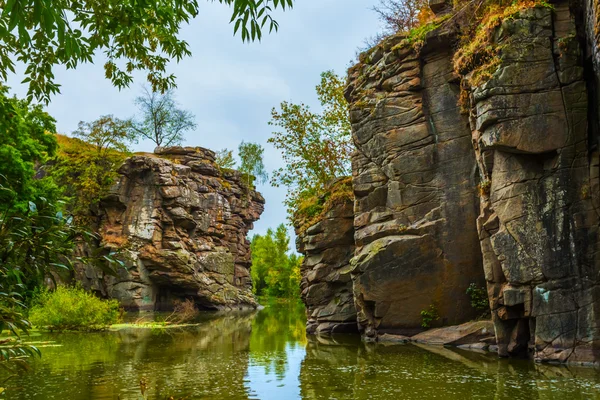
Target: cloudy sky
point(230, 86)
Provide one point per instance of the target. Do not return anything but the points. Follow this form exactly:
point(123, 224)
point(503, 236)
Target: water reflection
point(265, 355)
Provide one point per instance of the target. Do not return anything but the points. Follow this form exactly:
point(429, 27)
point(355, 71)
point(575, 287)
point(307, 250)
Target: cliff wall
point(415, 184)
point(482, 167)
point(538, 224)
point(182, 224)
point(326, 286)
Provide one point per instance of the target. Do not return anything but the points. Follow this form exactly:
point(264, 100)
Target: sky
point(228, 85)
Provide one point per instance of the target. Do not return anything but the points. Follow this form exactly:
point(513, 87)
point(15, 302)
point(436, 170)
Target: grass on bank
point(73, 308)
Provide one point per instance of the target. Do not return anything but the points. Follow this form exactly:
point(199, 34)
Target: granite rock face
point(538, 224)
point(182, 224)
point(507, 194)
point(415, 183)
point(328, 247)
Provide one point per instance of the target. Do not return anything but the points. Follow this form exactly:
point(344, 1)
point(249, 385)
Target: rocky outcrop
point(415, 184)
point(539, 218)
point(326, 286)
point(508, 191)
point(181, 223)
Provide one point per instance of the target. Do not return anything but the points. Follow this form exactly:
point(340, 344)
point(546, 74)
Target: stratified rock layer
point(182, 223)
point(415, 184)
point(328, 247)
point(539, 223)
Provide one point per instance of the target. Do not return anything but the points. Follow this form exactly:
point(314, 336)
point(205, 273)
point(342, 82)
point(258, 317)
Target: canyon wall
point(181, 223)
point(538, 224)
point(326, 286)
point(415, 184)
point(491, 179)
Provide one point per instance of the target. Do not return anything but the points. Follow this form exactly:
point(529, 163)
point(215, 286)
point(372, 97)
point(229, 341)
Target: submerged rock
point(182, 223)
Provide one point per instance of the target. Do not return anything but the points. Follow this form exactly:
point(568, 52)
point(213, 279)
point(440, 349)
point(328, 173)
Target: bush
point(429, 315)
point(479, 297)
point(73, 309)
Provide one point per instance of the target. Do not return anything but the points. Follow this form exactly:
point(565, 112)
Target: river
point(266, 355)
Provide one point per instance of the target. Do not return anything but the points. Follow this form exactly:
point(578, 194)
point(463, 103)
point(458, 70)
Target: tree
point(274, 271)
point(105, 134)
point(251, 157)
point(316, 147)
point(162, 121)
point(26, 142)
point(86, 166)
point(132, 35)
point(402, 15)
point(225, 159)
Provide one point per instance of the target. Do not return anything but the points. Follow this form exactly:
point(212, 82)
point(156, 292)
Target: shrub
point(429, 315)
point(479, 297)
point(73, 309)
point(183, 312)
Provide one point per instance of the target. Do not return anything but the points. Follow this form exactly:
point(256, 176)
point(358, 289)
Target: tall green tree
point(316, 147)
point(251, 162)
point(133, 36)
point(27, 141)
point(162, 121)
point(275, 272)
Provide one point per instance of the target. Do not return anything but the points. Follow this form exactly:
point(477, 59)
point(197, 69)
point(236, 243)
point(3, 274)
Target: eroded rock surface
point(182, 223)
point(415, 184)
point(328, 247)
point(538, 224)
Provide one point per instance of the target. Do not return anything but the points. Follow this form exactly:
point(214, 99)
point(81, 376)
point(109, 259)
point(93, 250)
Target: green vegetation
point(26, 141)
point(252, 166)
point(74, 308)
point(86, 166)
point(429, 315)
point(162, 121)
point(275, 272)
point(311, 209)
point(224, 159)
point(316, 147)
point(479, 298)
point(133, 35)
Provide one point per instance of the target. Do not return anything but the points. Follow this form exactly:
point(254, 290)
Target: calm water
point(265, 355)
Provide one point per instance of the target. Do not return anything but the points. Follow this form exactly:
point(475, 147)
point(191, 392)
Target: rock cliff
point(181, 222)
point(326, 286)
point(482, 166)
point(415, 184)
point(538, 223)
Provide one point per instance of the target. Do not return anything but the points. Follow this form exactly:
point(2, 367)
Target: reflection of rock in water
point(209, 359)
point(205, 361)
point(354, 370)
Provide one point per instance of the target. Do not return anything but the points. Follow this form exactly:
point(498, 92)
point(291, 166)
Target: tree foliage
point(133, 36)
point(35, 245)
point(224, 159)
point(274, 271)
point(251, 162)
point(86, 166)
point(402, 15)
point(27, 141)
point(162, 121)
point(316, 147)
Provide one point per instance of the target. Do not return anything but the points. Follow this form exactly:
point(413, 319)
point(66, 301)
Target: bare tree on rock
point(162, 121)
